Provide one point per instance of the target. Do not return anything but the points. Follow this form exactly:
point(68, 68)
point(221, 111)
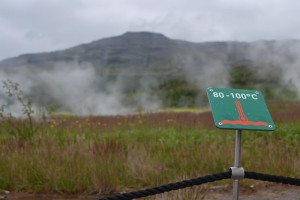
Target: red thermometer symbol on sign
point(242, 118)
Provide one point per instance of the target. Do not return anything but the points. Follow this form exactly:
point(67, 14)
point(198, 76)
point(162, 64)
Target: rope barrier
point(170, 187)
point(199, 181)
point(272, 178)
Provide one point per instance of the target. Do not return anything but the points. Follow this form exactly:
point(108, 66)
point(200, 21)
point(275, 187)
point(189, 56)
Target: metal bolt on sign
point(239, 110)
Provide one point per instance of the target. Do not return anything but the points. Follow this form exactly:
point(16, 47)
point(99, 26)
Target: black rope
point(272, 178)
point(199, 181)
point(170, 187)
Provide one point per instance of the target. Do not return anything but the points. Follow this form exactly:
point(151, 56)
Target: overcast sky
point(43, 25)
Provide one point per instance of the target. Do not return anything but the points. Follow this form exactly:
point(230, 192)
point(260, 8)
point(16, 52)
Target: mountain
point(143, 50)
point(153, 51)
point(139, 68)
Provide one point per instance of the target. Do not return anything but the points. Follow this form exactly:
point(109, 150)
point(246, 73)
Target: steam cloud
point(80, 89)
point(77, 89)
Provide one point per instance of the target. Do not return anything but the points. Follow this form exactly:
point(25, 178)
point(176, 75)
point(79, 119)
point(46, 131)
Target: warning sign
point(239, 109)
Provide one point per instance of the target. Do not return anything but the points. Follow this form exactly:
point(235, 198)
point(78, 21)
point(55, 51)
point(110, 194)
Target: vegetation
point(241, 76)
point(23, 129)
point(69, 154)
point(270, 82)
point(113, 154)
point(178, 93)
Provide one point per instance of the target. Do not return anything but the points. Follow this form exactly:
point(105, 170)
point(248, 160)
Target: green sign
point(239, 109)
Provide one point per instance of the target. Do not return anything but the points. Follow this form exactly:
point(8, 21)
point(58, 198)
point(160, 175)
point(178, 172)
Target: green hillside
point(149, 66)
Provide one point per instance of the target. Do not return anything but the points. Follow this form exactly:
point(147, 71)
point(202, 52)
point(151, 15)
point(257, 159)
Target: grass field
point(110, 154)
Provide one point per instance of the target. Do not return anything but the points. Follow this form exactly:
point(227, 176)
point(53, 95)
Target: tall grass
point(81, 155)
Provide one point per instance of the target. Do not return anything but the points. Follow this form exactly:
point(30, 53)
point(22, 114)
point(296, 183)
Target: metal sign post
point(240, 110)
point(237, 159)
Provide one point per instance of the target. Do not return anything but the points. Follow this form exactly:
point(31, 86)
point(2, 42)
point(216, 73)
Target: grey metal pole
point(237, 159)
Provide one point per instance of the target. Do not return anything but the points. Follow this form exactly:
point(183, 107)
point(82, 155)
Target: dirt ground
point(266, 192)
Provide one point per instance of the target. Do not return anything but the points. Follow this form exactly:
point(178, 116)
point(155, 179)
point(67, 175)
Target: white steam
point(77, 89)
point(82, 90)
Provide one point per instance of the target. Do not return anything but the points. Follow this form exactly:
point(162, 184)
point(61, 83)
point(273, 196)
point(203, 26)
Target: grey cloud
point(45, 25)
